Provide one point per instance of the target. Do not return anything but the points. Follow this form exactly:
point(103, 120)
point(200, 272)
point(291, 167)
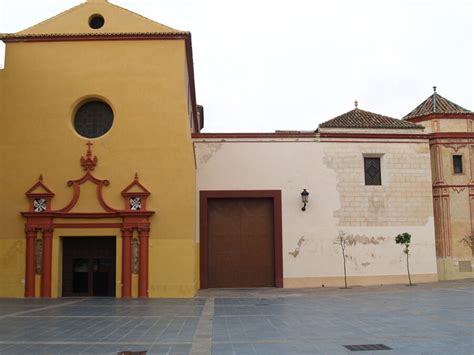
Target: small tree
point(341, 240)
point(405, 239)
point(468, 240)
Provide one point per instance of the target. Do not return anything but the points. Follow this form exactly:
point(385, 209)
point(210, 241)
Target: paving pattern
point(433, 318)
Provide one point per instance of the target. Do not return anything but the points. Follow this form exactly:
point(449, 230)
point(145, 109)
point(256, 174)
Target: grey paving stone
point(427, 319)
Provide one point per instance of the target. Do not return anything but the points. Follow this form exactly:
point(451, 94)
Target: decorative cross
point(88, 163)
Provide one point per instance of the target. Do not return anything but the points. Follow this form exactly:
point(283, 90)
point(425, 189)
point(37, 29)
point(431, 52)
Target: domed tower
point(452, 147)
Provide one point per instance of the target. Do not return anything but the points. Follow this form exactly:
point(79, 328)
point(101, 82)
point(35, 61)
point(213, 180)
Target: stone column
point(30, 262)
point(143, 235)
point(126, 263)
point(46, 262)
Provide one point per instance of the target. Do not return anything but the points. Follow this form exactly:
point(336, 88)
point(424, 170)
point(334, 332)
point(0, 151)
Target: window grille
point(93, 119)
point(372, 170)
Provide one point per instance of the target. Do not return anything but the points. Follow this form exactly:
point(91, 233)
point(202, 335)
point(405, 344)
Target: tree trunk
point(345, 274)
point(408, 269)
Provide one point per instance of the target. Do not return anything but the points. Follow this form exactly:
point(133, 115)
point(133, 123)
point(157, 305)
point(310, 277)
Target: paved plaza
point(433, 318)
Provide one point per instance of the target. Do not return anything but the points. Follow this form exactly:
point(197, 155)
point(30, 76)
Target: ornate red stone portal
point(40, 218)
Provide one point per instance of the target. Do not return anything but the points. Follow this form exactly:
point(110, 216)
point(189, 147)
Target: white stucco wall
point(333, 174)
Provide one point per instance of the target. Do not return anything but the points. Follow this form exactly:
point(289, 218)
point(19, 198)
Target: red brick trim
point(457, 135)
point(374, 135)
point(203, 227)
point(372, 141)
point(253, 135)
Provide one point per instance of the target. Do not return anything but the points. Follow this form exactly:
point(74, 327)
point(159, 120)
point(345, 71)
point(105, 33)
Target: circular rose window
point(96, 21)
point(93, 119)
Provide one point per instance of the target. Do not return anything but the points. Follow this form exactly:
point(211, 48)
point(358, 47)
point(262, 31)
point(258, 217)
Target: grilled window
point(457, 164)
point(93, 119)
point(372, 170)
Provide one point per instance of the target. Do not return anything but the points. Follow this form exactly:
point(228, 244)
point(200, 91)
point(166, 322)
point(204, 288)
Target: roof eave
point(13, 37)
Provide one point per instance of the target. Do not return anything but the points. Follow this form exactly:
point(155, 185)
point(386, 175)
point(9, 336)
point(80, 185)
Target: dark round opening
point(96, 21)
point(93, 119)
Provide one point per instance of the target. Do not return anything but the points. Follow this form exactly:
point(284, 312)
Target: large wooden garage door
point(241, 242)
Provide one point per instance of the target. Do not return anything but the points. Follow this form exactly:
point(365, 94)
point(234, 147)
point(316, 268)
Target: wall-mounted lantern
point(304, 199)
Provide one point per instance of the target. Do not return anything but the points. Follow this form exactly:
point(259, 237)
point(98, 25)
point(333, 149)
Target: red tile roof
point(436, 104)
point(358, 118)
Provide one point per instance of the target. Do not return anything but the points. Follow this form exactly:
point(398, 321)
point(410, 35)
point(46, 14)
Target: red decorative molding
point(441, 207)
point(375, 135)
point(44, 222)
point(455, 147)
point(443, 184)
point(88, 163)
point(457, 135)
point(438, 166)
point(443, 142)
point(203, 227)
point(39, 191)
point(39, 183)
point(46, 262)
point(87, 225)
point(142, 194)
point(127, 234)
point(143, 235)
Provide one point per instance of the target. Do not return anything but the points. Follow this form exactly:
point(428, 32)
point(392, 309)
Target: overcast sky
point(265, 65)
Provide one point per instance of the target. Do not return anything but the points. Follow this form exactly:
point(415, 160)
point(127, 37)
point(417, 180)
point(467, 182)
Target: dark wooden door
point(241, 242)
point(89, 266)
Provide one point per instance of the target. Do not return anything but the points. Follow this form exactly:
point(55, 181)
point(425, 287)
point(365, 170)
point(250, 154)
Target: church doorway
point(89, 266)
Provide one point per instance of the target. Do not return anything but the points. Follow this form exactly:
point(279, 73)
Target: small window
point(372, 171)
point(457, 164)
point(96, 21)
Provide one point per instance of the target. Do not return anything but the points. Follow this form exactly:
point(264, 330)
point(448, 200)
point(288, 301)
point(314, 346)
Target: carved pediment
point(88, 199)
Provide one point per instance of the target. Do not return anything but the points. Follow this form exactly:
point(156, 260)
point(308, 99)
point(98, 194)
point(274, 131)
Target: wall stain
point(363, 239)
point(295, 252)
point(10, 256)
point(211, 148)
point(365, 264)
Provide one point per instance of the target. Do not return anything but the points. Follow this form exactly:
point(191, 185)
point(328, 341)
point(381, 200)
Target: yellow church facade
point(135, 75)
